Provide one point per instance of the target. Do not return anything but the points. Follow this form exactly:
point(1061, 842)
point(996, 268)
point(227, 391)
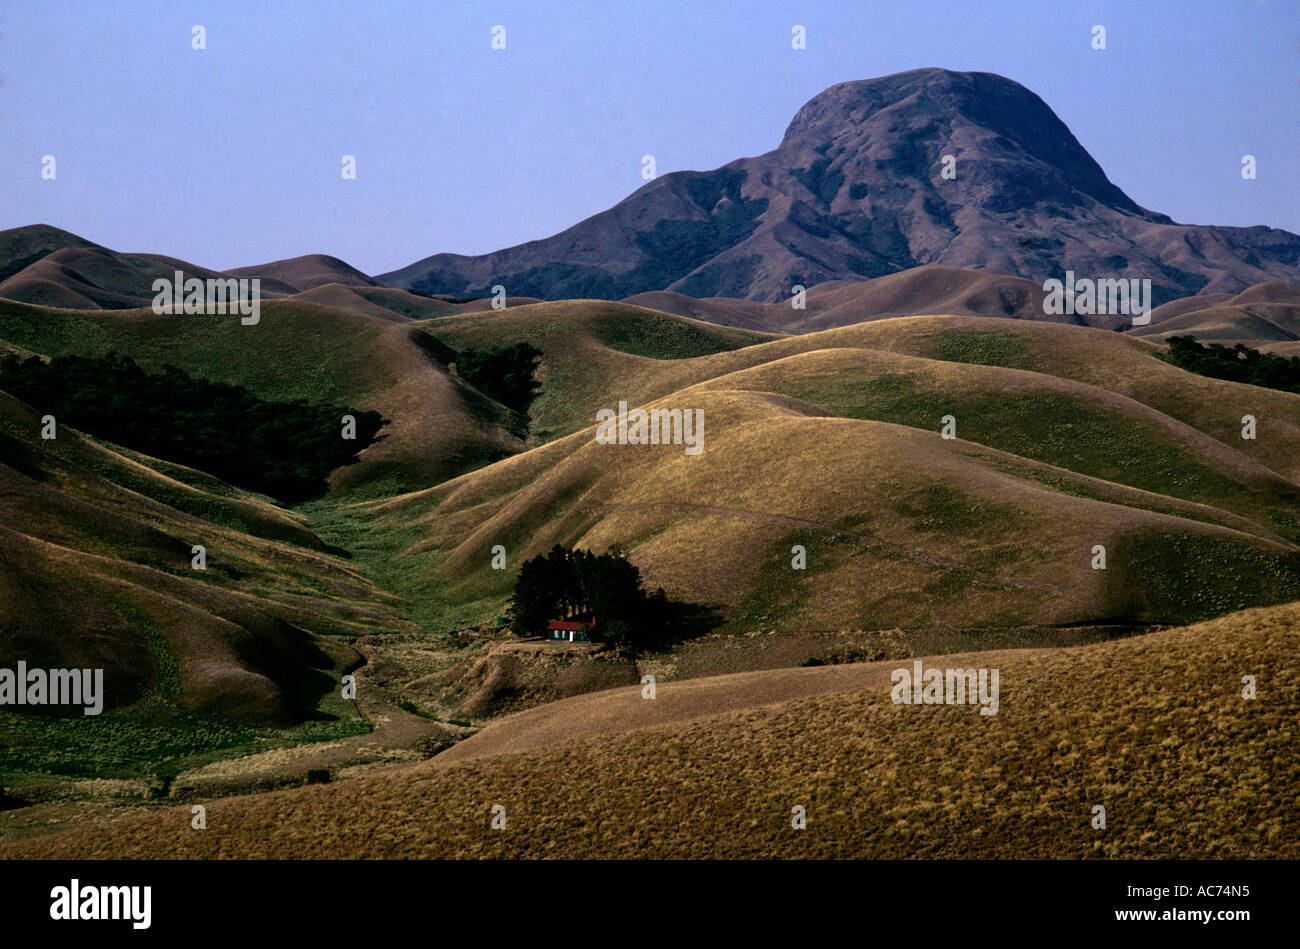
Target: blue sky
point(231, 156)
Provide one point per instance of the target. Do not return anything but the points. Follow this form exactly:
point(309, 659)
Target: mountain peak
point(858, 99)
point(954, 112)
point(875, 176)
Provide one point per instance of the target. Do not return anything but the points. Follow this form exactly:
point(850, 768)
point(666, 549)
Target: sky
point(232, 155)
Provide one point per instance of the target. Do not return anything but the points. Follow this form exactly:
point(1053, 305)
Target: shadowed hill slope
point(96, 571)
point(90, 278)
point(439, 426)
point(22, 246)
point(307, 272)
point(43, 265)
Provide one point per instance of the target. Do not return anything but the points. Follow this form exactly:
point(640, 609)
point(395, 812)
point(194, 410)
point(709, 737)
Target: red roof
point(569, 624)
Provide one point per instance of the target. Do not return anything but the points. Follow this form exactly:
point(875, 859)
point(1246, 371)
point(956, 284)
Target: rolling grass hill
point(1265, 317)
point(1067, 437)
point(1084, 429)
point(100, 517)
point(440, 427)
point(1114, 362)
point(46, 266)
point(594, 353)
point(916, 291)
point(585, 375)
point(902, 527)
point(338, 296)
point(394, 305)
point(1152, 728)
point(1075, 436)
point(96, 571)
point(307, 272)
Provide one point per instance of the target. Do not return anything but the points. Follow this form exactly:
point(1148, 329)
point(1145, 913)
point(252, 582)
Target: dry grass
point(1082, 415)
point(1153, 728)
point(595, 353)
point(1069, 438)
point(584, 372)
point(903, 527)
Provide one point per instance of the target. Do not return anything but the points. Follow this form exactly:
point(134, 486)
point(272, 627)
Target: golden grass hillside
point(592, 349)
point(1072, 425)
point(391, 304)
point(584, 368)
point(1265, 316)
point(901, 526)
point(1253, 324)
point(1067, 438)
point(1105, 360)
point(1152, 728)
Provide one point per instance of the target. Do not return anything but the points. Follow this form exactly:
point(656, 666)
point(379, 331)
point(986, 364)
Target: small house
point(573, 631)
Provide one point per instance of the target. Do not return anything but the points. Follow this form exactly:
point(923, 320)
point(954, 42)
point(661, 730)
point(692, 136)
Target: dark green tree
point(503, 373)
point(1238, 364)
point(283, 449)
point(565, 584)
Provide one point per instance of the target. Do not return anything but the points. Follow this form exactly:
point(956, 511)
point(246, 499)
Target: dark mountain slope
point(855, 191)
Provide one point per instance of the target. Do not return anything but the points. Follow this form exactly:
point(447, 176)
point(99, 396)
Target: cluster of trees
point(503, 373)
point(282, 449)
point(570, 584)
point(1239, 364)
